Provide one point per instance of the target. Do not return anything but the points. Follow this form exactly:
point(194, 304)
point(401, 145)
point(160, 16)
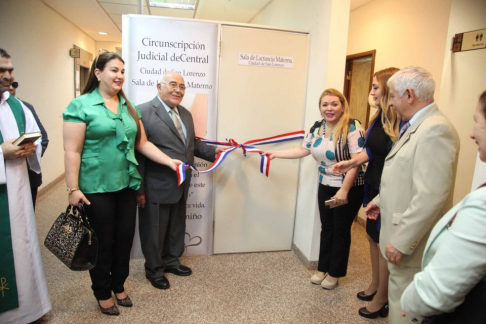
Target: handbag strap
point(83, 216)
point(79, 214)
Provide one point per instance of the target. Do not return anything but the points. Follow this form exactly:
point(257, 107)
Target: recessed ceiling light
point(102, 33)
point(174, 4)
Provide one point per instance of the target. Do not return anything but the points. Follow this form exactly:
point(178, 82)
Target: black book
point(27, 138)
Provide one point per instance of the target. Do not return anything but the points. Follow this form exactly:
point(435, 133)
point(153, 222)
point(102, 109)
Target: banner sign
point(266, 60)
point(153, 46)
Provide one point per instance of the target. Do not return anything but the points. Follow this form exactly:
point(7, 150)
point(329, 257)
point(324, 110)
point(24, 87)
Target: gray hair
point(416, 78)
point(164, 76)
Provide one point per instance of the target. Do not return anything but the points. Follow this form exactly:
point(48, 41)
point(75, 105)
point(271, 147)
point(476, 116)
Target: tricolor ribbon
point(247, 147)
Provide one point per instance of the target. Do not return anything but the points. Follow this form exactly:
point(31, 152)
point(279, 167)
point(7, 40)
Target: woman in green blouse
point(101, 131)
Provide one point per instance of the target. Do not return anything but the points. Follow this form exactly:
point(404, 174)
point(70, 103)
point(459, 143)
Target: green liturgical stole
point(8, 285)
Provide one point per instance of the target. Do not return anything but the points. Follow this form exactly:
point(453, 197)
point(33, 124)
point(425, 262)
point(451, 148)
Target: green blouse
point(108, 161)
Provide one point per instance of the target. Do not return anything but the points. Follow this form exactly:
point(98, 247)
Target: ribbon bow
point(246, 147)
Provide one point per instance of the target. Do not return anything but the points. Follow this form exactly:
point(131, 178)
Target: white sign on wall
point(277, 61)
point(153, 46)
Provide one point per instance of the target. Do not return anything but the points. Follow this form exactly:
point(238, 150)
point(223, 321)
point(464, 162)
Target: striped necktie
point(404, 129)
point(175, 118)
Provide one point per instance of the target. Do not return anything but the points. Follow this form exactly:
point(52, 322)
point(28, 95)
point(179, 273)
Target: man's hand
point(217, 151)
point(141, 200)
point(12, 152)
point(372, 211)
point(393, 255)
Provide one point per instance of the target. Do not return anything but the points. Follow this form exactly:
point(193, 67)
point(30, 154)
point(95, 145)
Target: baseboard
point(48, 186)
point(311, 265)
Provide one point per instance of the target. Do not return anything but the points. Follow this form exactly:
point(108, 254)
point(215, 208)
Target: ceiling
point(94, 16)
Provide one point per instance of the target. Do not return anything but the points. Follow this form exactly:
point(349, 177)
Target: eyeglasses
point(173, 86)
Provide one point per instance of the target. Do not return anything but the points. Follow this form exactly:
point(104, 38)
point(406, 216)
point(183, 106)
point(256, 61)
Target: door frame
point(348, 76)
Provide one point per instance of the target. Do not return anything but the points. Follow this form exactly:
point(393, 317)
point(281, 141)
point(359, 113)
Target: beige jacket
point(417, 184)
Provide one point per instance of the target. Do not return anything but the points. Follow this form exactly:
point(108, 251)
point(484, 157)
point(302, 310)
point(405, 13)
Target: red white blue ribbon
point(247, 147)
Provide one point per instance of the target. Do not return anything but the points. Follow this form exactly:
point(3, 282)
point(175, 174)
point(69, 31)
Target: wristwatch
point(71, 190)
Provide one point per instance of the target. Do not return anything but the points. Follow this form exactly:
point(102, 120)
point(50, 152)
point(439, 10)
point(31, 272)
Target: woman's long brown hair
point(389, 117)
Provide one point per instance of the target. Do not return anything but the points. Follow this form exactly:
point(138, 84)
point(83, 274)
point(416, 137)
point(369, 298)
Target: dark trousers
point(112, 217)
point(336, 230)
point(162, 231)
point(33, 191)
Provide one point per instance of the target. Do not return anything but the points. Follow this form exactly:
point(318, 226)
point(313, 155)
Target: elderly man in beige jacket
point(417, 181)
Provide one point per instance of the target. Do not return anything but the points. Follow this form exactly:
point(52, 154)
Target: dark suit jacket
point(34, 178)
point(160, 182)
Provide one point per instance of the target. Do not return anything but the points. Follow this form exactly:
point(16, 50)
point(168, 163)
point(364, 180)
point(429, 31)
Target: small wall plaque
point(469, 41)
point(75, 53)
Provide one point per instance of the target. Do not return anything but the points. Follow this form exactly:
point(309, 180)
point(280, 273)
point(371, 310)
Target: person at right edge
point(417, 180)
point(452, 285)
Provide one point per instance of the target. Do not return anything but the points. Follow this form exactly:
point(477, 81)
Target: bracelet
point(71, 190)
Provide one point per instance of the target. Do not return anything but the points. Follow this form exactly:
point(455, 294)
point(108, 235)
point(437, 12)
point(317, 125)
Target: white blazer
point(454, 260)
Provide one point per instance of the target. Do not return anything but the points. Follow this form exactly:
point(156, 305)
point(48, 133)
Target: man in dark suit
point(35, 179)
point(162, 203)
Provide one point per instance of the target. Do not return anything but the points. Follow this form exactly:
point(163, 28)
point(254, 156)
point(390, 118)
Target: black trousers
point(336, 230)
point(112, 217)
point(33, 191)
point(162, 230)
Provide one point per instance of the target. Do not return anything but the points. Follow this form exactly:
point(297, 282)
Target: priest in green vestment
point(23, 288)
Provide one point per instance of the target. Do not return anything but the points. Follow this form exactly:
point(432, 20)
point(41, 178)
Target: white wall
point(38, 40)
point(416, 32)
point(463, 80)
point(404, 33)
point(109, 46)
point(327, 21)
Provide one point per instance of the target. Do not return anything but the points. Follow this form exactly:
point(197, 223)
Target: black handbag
point(72, 240)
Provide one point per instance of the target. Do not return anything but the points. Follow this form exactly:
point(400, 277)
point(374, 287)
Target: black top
point(380, 145)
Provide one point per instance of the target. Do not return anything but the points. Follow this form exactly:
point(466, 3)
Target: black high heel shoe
point(113, 310)
point(383, 312)
point(362, 296)
point(125, 302)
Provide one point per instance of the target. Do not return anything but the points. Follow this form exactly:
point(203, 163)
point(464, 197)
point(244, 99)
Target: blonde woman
point(337, 137)
point(380, 137)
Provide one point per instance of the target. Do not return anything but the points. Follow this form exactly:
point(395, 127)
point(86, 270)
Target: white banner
point(277, 61)
point(153, 46)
